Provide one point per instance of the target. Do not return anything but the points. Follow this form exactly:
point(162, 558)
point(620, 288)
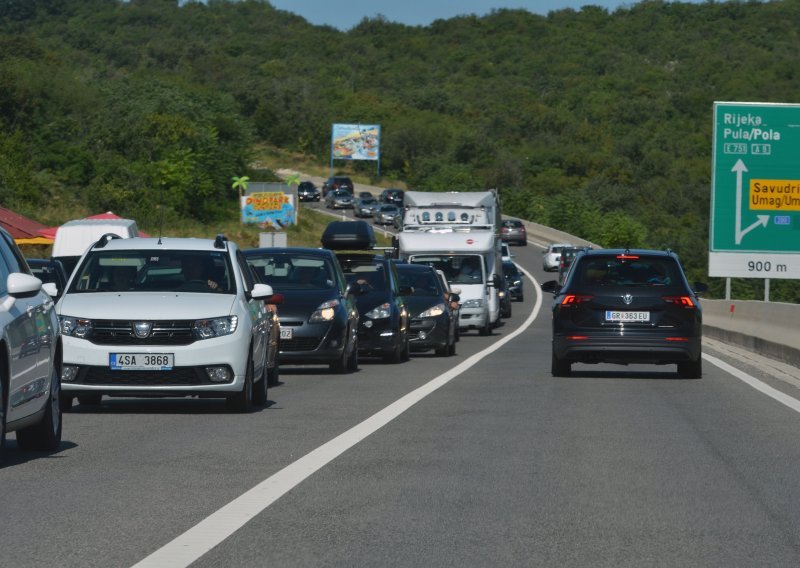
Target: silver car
point(385, 214)
point(30, 385)
point(552, 255)
point(339, 199)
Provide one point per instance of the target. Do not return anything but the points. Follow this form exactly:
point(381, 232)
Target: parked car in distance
point(166, 317)
point(319, 315)
point(392, 195)
point(50, 270)
point(307, 191)
point(385, 214)
point(514, 280)
point(552, 255)
point(339, 199)
point(365, 206)
point(626, 306)
point(337, 182)
point(513, 231)
point(433, 324)
point(31, 351)
point(383, 314)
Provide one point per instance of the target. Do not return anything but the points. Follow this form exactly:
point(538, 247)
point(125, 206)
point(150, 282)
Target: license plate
point(286, 332)
point(627, 316)
point(141, 361)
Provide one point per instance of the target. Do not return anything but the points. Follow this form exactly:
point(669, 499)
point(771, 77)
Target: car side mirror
point(51, 289)
point(455, 298)
point(551, 286)
point(497, 281)
point(700, 288)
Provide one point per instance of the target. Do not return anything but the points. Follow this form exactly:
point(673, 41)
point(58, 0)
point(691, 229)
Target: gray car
point(339, 199)
point(385, 214)
point(365, 206)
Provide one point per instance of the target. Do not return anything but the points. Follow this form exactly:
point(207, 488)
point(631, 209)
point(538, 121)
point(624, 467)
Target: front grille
point(120, 332)
point(180, 376)
point(299, 344)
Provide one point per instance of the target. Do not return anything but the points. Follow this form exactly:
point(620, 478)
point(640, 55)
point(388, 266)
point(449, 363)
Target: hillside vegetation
point(595, 122)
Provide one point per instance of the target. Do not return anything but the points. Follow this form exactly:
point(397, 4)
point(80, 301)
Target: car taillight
point(627, 257)
point(684, 301)
point(574, 299)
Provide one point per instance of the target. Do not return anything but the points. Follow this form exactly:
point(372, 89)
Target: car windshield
point(154, 271)
point(286, 271)
point(421, 282)
point(458, 269)
point(370, 276)
point(627, 270)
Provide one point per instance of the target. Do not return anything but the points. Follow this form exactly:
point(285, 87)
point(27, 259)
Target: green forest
point(592, 121)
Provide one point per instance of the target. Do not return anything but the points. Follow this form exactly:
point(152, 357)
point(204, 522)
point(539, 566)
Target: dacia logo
point(142, 329)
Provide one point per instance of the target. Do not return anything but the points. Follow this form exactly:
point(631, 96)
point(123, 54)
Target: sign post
point(755, 191)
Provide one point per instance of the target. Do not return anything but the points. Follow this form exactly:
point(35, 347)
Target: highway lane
point(502, 465)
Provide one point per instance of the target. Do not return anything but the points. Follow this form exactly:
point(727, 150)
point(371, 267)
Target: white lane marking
point(221, 524)
point(764, 388)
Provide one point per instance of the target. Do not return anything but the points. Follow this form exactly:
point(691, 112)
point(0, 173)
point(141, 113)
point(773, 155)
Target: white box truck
point(470, 261)
point(426, 210)
point(74, 237)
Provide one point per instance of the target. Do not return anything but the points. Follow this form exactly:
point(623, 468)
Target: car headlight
point(382, 311)
point(325, 312)
point(472, 304)
point(215, 327)
point(75, 327)
point(433, 312)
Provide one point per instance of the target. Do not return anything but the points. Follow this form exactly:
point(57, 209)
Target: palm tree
point(240, 183)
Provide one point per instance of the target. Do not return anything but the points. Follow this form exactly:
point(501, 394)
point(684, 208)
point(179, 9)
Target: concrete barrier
point(770, 328)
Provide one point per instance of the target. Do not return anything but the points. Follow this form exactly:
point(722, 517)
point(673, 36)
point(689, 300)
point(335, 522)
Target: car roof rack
point(105, 239)
point(220, 241)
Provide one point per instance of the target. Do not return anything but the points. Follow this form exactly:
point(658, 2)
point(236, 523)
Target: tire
point(242, 401)
point(396, 356)
point(691, 369)
point(66, 402)
point(560, 367)
point(442, 351)
point(46, 435)
point(352, 361)
point(273, 376)
point(340, 365)
point(260, 389)
point(406, 354)
point(451, 349)
point(487, 328)
point(90, 399)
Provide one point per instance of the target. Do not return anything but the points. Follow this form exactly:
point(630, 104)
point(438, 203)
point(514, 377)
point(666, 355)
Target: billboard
point(356, 142)
point(274, 209)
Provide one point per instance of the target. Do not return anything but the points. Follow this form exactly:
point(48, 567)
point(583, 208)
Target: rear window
point(422, 282)
point(286, 271)
point(372, 276)
point(633, 270)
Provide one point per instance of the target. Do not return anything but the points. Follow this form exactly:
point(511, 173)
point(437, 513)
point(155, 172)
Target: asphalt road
point(500, 465)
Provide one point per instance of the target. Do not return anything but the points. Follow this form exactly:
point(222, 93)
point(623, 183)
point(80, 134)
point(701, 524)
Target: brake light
point(684, 301)
point(677, 339)
point(577, 337)
point(627, 257)
point(573, 299)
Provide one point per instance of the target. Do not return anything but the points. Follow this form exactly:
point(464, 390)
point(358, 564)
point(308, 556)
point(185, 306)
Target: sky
point(345, 15)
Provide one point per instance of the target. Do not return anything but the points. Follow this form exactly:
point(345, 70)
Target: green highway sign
point(755, 191)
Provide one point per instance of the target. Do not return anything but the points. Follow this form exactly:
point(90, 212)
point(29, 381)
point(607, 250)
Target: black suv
point(383, 327)
point(337, 182)
point(626, 306)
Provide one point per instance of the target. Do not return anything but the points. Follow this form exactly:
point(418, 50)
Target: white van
point(470, 261)
point(73, 238)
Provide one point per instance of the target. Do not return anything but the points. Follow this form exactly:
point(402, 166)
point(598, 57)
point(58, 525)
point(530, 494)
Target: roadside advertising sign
point(755, 191)
point(356, 142)
point(274, 209)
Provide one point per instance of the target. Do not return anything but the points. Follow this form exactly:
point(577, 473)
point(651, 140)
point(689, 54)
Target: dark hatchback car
point(513, 231)
point(514, 280)
point(319, 317)
point(307, 191)
point(393, 196)
point(337, 182)
point(433, 323)
point(384, 318)
point(626, 306)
